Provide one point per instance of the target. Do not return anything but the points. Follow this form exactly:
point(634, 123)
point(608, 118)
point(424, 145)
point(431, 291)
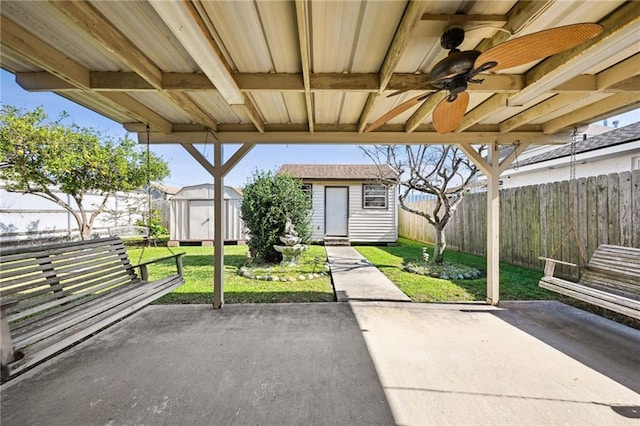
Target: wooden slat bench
point(53, 296)
point(610, 280)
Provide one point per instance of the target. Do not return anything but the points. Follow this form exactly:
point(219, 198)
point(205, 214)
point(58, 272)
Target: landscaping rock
point(444, 276)
point(434, 275)
point(302, 278)
point(292, 279)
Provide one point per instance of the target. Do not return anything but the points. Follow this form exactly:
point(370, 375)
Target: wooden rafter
point(87, 18)
point(482, 111)
point(423, 111)
point(33, 50)
point(207, 54)
point(303, 39)
point(605, 81)
point(587, 114)
point(410, 19)
point(620, 32)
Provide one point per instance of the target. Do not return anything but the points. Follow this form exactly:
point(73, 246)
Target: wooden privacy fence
point(535, 219)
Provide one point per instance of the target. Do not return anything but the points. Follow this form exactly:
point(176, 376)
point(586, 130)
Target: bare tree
point(442, 171)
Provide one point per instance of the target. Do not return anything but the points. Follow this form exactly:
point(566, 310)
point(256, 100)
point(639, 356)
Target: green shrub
point(154, 223)
point(268, 200)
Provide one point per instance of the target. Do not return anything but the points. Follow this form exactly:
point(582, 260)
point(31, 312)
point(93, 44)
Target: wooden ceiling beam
point(103, 81)
point(353, 138)
point(189, 26)
point(543, 108)
point(617, 78)
point(411, 18)
point(303, 39)
point(22, 43)
point(482, 111)
point(423, 111)
point(88, 19)
point(31, 49)
point(475, 20)
point(518, 17)
point(620, 32)
point(588, 114)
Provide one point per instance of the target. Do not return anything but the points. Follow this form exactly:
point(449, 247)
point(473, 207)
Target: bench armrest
point(562, 262)
point(144, 273)
point(550, 265)
point(159, 259)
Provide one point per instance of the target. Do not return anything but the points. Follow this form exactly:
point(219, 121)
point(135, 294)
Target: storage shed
point(191, 215)
point(349, 204)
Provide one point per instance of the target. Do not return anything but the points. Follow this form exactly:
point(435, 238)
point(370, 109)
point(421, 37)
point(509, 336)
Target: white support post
point(218, 226)
point(493, 226)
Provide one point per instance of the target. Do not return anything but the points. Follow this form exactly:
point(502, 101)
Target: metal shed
point(192, 217)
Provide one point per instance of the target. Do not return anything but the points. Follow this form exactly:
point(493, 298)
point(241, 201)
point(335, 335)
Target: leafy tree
point(37, 154)
point(442, 171)
point(267, 201)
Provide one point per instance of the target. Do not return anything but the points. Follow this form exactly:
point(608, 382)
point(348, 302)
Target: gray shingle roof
point(338, 171)
point(614, 137)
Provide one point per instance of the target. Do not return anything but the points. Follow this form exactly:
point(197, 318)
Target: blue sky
point(184, 169)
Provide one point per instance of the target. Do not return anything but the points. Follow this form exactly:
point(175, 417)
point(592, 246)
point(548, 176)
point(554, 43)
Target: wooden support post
point(493, 226)
point(218, 170)
point(218, 226)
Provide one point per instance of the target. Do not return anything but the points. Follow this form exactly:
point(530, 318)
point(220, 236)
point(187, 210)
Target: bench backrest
point(44, 280)
point(614, 267)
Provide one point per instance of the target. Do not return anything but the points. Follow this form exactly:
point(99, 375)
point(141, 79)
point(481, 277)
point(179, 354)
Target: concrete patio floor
point(358, 363)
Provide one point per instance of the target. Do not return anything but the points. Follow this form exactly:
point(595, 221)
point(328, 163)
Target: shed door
point(336, 211)
point(200, 219)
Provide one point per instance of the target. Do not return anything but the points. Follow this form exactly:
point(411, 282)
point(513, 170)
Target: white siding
point(317, 211)
point(365, 225)
point(372, 225)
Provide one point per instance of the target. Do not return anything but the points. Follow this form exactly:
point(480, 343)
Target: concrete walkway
point(355, 279)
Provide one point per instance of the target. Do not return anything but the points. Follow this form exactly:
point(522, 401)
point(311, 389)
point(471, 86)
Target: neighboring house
point(348, 202)
point(192, 218)
point(615, 151)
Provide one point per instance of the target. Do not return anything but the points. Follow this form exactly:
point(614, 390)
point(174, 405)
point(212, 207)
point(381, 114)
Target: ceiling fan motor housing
point(457, 63)
point(452, 38)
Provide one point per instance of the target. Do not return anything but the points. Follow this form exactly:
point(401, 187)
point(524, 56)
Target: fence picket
point(534, 219)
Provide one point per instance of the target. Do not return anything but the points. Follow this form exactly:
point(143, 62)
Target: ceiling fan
point(453, 73)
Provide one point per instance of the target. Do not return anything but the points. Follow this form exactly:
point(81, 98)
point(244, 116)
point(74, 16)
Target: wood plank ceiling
point(317, 71)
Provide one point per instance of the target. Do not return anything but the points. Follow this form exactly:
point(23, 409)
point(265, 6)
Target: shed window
point(308, 191)
point(374, 196)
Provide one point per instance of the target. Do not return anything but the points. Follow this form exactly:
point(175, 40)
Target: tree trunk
point(85, 230)
point(439, 246)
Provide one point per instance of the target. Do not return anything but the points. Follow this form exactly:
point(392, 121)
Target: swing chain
point(572, 161)
point(574, 199)
point(516, 145)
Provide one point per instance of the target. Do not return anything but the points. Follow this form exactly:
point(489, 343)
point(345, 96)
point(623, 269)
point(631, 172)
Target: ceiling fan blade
point(447, 115)
point(397, 111)
point(401, 91)
point(533, 47)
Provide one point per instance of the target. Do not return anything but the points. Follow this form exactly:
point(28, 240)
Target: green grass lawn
point(198, 273)
point(516, 283)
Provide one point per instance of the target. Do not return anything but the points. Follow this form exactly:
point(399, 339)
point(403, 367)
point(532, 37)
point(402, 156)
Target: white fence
point(29, 217)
